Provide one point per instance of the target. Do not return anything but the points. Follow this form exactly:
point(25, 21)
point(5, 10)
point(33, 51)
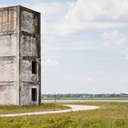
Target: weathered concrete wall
point(29, 51)
point(7, 20)
point(8, 44)
point(29, 46)
point(27, 22)
point(26, 92)
point(19, 46)
point(26, 74)
point(9, 93)
point(8, 70)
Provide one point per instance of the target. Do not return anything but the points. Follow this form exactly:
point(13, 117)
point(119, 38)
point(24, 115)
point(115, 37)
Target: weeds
point(111, 115)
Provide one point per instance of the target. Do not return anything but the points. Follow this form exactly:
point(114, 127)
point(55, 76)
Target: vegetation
point(61, 96)
point(31, 108)
point(77, 98)
point(111, 115)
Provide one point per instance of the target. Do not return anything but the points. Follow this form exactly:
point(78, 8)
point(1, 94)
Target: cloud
point(65, 18)
point(114, 38)
point(50, 13)
point(126, 54)
point(50, 62)
point(82, 80)
point(106, 39)
point(76, 46)
point(64, 28)
point(93, 14)
point(48, 8)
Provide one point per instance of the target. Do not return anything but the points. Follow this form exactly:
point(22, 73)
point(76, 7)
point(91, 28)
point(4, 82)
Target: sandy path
point(73, 108)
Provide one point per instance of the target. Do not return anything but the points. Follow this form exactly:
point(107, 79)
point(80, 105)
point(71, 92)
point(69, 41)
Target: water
point(70, 101)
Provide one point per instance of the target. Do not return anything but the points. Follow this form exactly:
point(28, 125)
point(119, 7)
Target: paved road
point(73, 108)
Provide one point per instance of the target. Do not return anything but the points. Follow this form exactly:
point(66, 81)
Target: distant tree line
point(85, 95)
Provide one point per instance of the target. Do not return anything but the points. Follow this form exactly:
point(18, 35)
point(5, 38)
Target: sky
point(84, 44)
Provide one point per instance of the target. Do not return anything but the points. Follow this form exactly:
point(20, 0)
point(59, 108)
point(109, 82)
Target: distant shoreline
point(63, 98)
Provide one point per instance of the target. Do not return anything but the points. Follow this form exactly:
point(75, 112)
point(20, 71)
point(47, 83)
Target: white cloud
point(50, 62)
point(69, 77)
point(80, 79)
point(48, 8)
point(126, 54)
point(75, 46)
point(114, 38)
point(64, 28)
point(67, 18)
point(50, 13)
point(106, 39)
point(91, 14)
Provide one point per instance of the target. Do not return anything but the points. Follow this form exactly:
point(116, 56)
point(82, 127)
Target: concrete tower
point(20, 68)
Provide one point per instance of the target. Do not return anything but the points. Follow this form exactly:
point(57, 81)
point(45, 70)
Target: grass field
point(111, 115)
point(31, 108)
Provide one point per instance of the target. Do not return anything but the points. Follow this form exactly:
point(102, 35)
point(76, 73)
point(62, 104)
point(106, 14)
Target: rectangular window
point(34, 67)
point(34, 94)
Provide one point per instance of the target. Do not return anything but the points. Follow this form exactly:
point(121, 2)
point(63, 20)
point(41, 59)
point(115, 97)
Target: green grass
point(31, 108)
point(111, 115)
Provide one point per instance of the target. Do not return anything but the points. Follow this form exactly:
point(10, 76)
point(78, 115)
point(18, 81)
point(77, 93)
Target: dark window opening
point(34, 94)
point(34, 67)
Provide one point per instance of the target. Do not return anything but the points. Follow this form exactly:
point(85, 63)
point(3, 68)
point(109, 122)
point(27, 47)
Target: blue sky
point(84, 45)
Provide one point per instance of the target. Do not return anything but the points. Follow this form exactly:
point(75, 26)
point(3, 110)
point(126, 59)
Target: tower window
point(34, 67)
point(34, 94)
